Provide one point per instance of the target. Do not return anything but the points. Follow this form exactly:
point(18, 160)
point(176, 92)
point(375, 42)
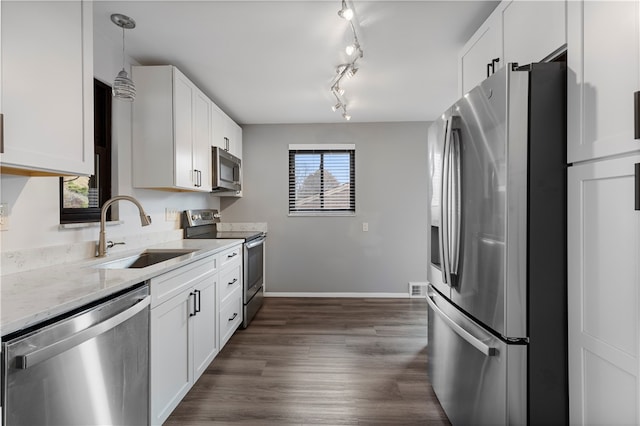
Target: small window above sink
point(144, 259)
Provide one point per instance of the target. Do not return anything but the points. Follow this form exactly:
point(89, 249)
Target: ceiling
point(273, 61)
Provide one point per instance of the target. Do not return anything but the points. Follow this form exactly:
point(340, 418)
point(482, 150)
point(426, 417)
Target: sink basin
point(144, 259)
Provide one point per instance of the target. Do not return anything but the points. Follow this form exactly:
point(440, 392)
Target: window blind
point(322, 181)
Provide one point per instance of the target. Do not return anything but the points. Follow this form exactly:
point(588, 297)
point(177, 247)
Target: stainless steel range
point(201, 224)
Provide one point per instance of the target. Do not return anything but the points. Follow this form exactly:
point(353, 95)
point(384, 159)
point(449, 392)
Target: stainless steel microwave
point(226, 171)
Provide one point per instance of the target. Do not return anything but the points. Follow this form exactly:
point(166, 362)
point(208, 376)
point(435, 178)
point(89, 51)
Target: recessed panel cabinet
point(519, 31)
point(604, 292)
point(603, 74)
point(47, 87)
point(171, 131)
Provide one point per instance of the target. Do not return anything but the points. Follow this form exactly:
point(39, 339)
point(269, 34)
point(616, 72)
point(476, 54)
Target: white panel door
point(183, 128)
point(603, 74)
point(484, 47)
point(533, 30)
point(47, 86)
point(205, 346)
point(603, 283)
point(202, 138)
point(170, 373)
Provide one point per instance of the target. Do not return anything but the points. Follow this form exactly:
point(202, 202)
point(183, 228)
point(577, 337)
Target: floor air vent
point(417, 290)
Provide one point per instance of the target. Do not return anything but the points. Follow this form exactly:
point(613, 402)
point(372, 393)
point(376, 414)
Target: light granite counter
point(28, 298)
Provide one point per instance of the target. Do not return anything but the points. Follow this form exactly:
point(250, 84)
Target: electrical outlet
point(4, 216)
point(365, 226)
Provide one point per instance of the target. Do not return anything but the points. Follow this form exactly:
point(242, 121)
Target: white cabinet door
point(202, 137)
point(603, 74)
point(533, 30)
point(170, 367)
point(47, 87)
point(205, 346)
point(603, 293)
point(183, 126)
point(482, 50)
point(219, 121)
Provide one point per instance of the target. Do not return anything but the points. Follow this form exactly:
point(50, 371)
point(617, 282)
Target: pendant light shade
point(123, 87)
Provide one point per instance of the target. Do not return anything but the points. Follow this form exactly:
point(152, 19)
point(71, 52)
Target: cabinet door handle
point(235, 314)
point(636, 115)
point(234, 254)
point(199, 296)
point(235, 280)
point(637, 166)
point(1, 133)
point(195, 309)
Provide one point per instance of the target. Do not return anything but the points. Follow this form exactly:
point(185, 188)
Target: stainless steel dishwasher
point(90, 367)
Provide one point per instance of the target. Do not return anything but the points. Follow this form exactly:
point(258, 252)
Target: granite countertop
point(28, 298)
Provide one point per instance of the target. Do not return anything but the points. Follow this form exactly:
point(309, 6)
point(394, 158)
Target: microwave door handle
point(455, 200)
point(444, 207)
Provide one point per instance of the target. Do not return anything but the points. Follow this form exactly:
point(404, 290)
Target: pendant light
point(123, 87)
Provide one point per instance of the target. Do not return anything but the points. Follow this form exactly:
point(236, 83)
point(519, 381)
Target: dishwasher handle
point(42, 354)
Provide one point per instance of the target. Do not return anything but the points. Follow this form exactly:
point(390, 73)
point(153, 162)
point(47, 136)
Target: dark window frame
point(102, 159)
point(293, 211)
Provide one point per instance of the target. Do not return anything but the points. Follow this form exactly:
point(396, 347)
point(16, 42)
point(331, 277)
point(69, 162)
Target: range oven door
point(253, 267)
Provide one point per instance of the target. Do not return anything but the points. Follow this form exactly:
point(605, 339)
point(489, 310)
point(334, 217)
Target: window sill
point(80, 225)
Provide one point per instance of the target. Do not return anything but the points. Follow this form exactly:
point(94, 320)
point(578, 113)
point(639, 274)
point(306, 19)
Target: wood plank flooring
point(317, 361)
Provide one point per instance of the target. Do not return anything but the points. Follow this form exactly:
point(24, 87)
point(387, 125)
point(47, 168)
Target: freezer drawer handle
point(485, 349)
point(43, 354)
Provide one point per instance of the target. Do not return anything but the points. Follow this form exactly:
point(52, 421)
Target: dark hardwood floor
point(307, 361)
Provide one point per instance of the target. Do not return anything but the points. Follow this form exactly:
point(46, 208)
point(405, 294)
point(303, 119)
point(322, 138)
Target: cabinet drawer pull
point(235, 280)
point(195, 305)
point(637, 166)
point(636, 115)
point(234, 254)
point(235, 314)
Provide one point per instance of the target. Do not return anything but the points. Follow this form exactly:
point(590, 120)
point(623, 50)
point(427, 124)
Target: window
point(322, 179)
point(81, 197)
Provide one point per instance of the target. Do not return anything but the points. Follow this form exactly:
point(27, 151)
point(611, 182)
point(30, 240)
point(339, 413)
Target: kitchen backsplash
point(241, 226)
point(28, 259)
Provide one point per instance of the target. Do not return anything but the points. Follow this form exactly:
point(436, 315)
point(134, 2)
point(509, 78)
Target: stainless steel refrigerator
point(497, 327)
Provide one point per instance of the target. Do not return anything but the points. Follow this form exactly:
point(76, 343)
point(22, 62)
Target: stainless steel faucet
point(145, 220)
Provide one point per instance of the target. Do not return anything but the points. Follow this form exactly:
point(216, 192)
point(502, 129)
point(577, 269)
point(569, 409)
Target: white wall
point(333, 254)
point(34, 202)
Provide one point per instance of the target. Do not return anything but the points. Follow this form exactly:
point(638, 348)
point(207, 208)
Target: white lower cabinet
point(603, 292)
point(230, 293)
point(183, 333)
point(195, 310)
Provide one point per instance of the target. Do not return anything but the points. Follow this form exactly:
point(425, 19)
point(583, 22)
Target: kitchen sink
point(144, 259)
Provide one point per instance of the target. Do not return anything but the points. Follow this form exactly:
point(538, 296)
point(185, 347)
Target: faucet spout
point(145, 220)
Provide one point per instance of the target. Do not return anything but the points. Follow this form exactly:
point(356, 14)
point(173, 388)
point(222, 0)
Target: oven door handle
point(255, 243)
point(39, 355)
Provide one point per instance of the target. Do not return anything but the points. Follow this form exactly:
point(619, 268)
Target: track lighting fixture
point(345, 12)
point(349, 69)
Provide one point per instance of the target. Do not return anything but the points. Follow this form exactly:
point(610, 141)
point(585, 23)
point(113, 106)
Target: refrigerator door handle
point(454, 207)
point(468, 337)
point(444, 206)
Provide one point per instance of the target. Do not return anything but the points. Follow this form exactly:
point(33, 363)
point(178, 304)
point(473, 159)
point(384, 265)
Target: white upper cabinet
point(603, 74)
point(47, 87)
point(171, 131)
point(482, 55)
point(516, 31)
point(533, 30)
point(227, 134)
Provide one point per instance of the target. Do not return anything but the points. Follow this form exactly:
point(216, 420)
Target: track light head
point(336, 107)
point(345, 12)
point(346, 116)
point(352, 71)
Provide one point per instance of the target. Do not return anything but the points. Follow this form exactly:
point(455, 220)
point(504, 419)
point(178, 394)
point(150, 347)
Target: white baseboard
point(337, 295)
